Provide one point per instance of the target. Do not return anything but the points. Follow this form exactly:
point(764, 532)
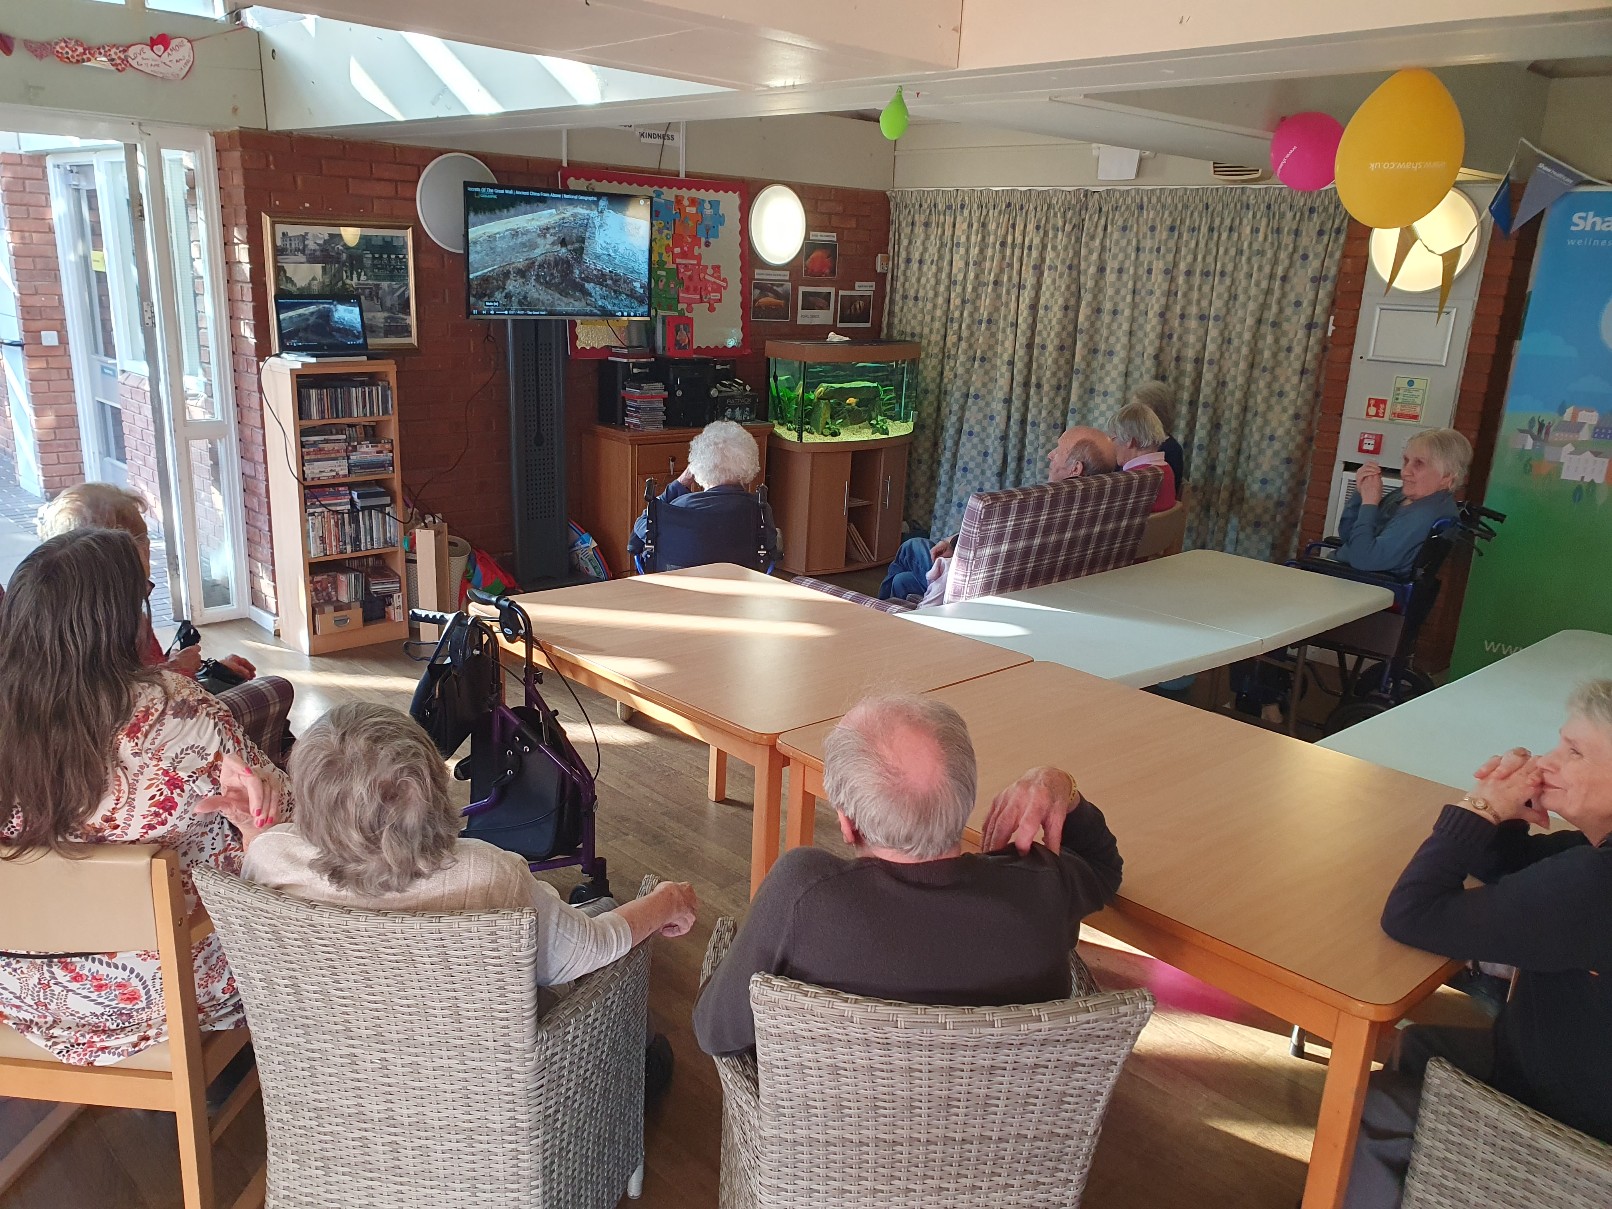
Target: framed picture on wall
point(816, 305)
point(325, 258)
point(856, 309)
point(770, 301)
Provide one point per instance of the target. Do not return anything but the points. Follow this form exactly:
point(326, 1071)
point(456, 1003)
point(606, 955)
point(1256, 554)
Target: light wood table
point(1253, 861)
point(1520, 700)
point(735, 658)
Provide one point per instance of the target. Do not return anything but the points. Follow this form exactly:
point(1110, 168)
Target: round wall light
point(1452, 224)
point(777, 224)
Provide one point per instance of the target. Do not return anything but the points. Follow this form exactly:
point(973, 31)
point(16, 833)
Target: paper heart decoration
point(39, 50)
point(170, 63)
point(160, 43)
point(7, 45)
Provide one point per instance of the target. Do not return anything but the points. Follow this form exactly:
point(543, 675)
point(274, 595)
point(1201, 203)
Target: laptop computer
point(321, 329)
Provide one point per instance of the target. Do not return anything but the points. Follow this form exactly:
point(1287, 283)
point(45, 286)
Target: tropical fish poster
point(1550, 568)
point(699, 260)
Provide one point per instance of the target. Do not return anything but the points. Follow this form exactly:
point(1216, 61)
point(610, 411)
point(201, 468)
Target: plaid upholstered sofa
point(1024, 537)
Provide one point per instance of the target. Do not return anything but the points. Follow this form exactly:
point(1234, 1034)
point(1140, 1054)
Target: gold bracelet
point(1479, 806)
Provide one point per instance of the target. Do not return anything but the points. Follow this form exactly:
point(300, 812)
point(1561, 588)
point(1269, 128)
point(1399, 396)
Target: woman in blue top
point(1382, 531)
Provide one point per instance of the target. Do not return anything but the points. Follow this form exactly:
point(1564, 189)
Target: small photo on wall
point(856, 309)
point(820, 260)
point(770, 301)
point(816, 305)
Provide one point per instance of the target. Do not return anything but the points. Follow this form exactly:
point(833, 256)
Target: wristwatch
point(1479, 806)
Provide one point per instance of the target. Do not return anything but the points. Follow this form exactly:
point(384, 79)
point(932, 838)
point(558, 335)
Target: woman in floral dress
point(96, 748)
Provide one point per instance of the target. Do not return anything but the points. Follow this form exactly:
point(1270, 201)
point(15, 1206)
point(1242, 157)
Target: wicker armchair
point(1478, 1149)
point(872, 1103)
point(406, 1061)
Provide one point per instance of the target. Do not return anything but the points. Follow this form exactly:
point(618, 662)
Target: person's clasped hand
point(1036, 804)
point(1508, 783)
point(682, 905)
point(186, 662)
point(243, 799)
point(1369, 482)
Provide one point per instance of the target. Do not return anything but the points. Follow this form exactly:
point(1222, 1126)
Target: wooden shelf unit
point(293, 564)
point(819, 490)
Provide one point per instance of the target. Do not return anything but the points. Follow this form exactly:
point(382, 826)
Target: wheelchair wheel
point(1350, 712)
point(1411, 682)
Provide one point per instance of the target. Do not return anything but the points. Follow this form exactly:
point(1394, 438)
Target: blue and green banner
point(1550, 568)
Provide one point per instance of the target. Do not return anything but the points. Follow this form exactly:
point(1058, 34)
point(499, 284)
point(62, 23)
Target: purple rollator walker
point(530, 792)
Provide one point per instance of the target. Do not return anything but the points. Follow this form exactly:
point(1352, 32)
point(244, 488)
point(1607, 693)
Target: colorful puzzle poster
point(698, 252)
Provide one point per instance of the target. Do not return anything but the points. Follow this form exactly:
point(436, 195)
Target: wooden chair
point(1478, 1149)
point(857, 1102)
point(407, 1060)
point(108, 898)
point(1164, 534)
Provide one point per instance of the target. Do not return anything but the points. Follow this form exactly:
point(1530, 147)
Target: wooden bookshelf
point(294, 563)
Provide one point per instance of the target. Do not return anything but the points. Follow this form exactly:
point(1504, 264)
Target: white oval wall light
point(777, 224)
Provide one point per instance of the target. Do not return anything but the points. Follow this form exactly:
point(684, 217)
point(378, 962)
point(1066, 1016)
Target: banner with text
point(1550, 568)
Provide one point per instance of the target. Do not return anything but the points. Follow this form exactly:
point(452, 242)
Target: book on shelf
point(343, 452)
point(343, 399)
point(372, 585)
point(857, 544)
point(342, 520)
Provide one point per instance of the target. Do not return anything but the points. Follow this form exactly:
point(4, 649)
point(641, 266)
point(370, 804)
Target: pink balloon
point(1304, 149)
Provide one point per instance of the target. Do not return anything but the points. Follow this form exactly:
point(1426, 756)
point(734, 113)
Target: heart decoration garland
point(163, 56)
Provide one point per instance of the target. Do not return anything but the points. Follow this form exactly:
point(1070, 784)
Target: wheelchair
point(1376, 655)
point(693, 537)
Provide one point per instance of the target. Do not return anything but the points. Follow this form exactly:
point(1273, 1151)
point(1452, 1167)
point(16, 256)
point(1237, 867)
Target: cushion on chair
point(1025, 537)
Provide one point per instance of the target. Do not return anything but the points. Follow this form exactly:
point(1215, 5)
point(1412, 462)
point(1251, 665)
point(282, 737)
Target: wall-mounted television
point(555, 254)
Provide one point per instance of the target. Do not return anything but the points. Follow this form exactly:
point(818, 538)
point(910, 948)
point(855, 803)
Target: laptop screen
point(320, 325)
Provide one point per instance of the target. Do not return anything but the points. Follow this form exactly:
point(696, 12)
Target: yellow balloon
point(1401, 151)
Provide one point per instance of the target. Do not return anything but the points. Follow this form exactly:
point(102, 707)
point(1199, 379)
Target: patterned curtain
point(1222, 293)
point(988, 281)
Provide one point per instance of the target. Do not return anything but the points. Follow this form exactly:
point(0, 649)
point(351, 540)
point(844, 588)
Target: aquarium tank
point(819, 390)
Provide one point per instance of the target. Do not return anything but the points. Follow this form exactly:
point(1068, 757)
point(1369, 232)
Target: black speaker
point(537, 349)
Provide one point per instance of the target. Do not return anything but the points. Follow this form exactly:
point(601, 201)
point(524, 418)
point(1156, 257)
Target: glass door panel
point(208, 463)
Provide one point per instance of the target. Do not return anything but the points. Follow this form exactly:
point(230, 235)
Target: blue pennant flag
point(1550, 179)
point(1500, 206)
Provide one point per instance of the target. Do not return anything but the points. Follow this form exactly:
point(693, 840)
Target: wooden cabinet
point(615, 464)
point(838, 504)
point(322, 412)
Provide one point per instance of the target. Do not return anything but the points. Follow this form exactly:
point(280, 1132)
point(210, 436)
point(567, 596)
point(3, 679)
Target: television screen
point(556, 255)
point(320, 325)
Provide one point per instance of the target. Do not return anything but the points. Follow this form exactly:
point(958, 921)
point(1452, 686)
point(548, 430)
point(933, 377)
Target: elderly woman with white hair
point(1161, 399)
point(1384, 530)
point(377, 830)
point(1138, 436)
point(722, 465)
point(1543, 907)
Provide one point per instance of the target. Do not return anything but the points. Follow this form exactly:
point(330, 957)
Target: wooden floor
point(1210, 1111)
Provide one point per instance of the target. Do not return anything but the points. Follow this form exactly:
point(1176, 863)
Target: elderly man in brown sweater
point(911, 916)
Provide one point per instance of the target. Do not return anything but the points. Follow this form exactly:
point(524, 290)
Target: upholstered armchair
point(1025, 537)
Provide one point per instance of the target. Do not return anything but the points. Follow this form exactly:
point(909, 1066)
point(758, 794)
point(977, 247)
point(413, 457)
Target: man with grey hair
point(914, 571)
point(911, 916)
point(722, 464)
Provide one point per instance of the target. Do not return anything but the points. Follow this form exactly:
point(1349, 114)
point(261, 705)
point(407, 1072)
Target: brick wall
point(1496, 325)
point(453, 392)
point(26, 197)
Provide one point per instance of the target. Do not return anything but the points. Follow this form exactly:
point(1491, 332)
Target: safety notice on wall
point(1409, 400)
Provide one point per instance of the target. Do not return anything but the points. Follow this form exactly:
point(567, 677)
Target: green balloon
point(894, 118)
